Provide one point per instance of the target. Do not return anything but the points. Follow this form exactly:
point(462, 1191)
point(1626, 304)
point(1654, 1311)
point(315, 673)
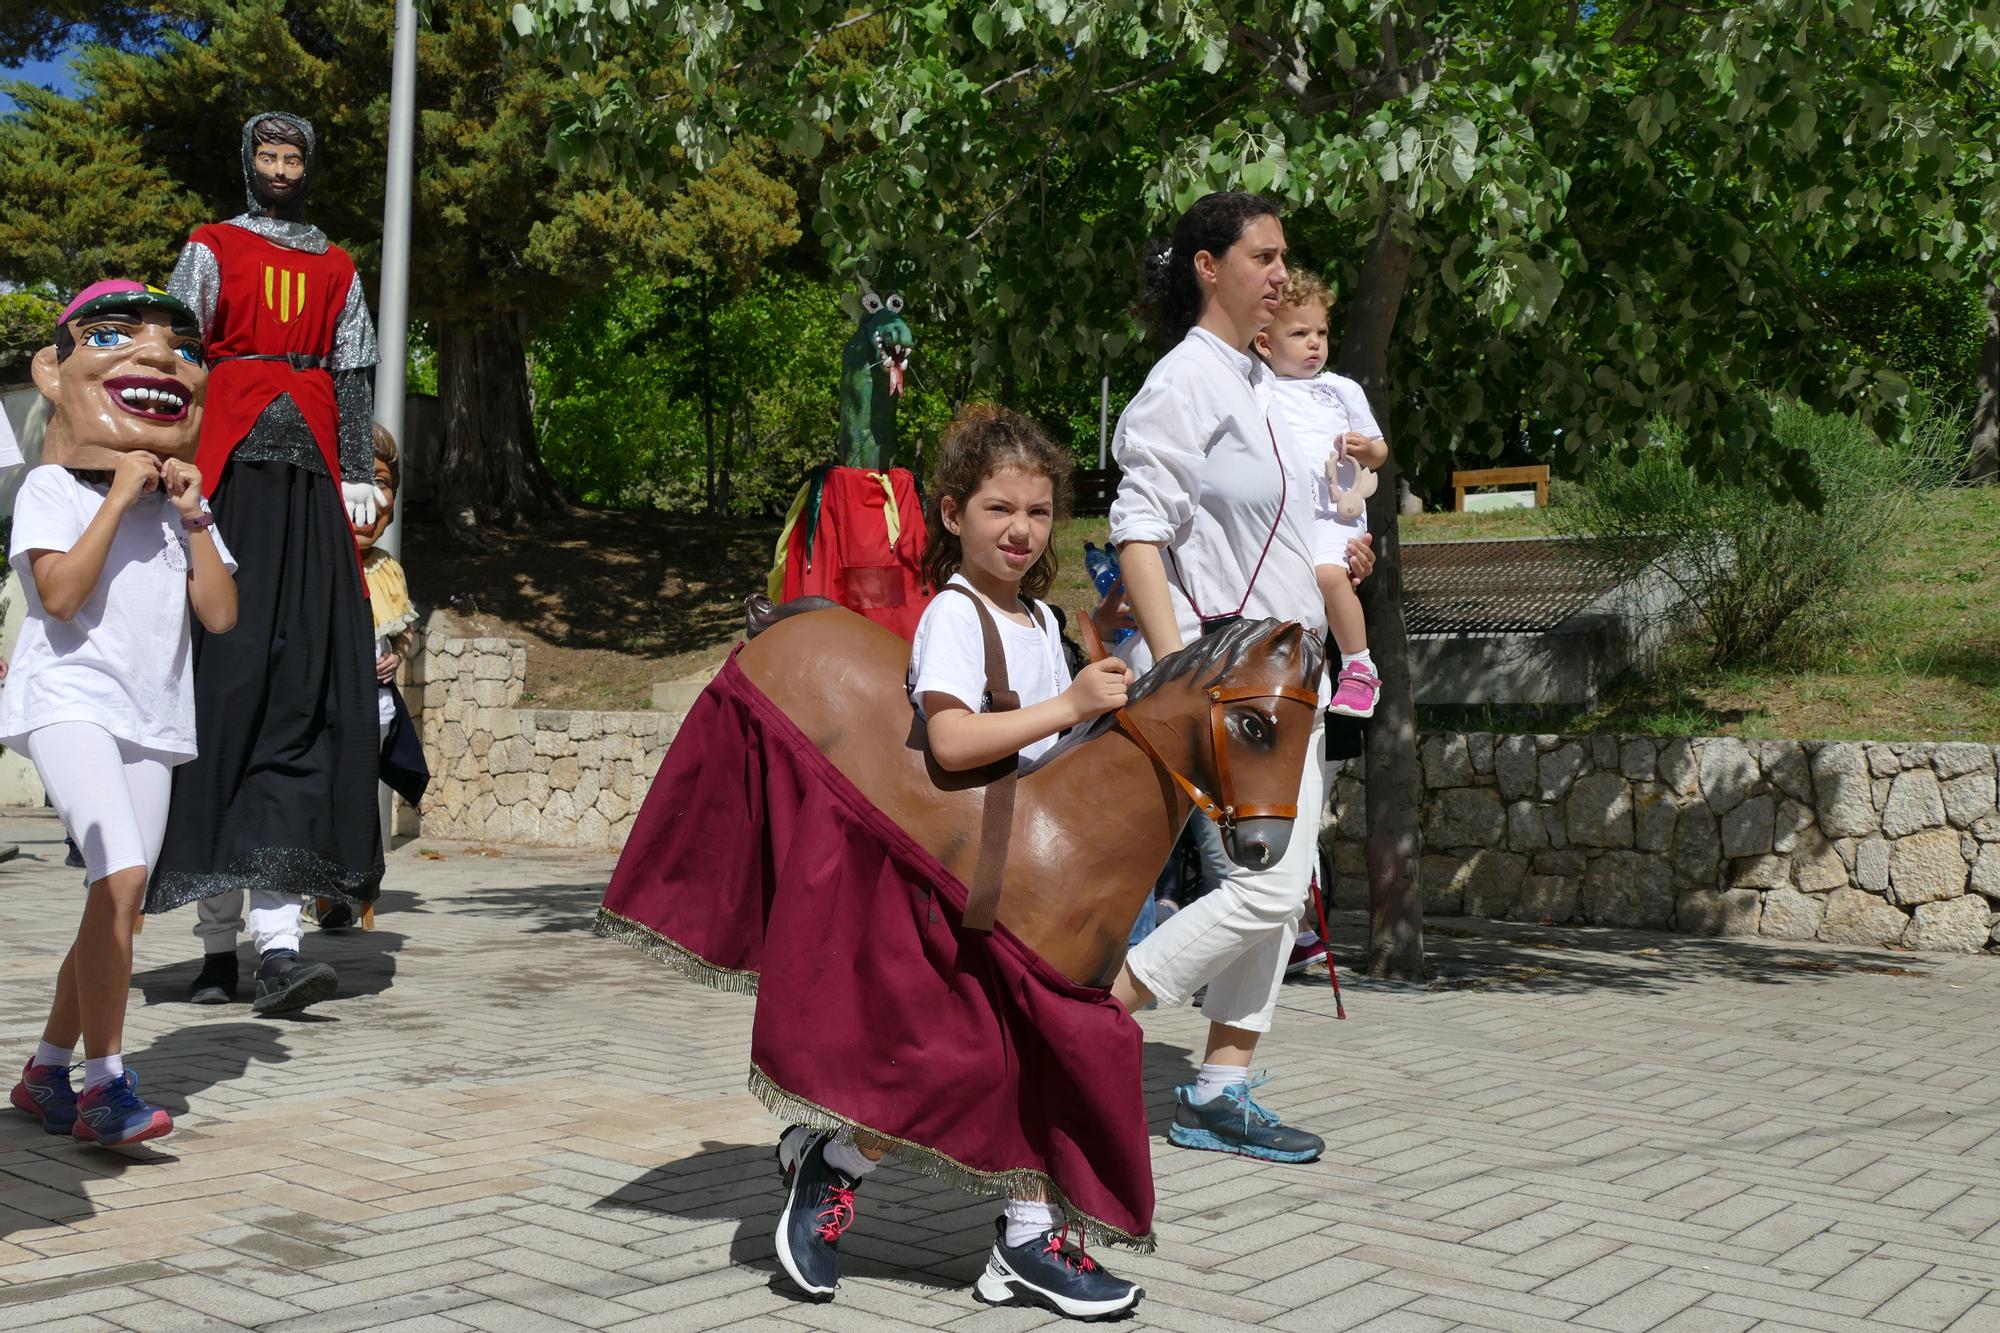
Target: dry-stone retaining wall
point(549, 776)
point(1851, 843)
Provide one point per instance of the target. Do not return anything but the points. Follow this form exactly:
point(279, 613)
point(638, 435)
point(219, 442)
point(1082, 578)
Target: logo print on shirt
point(284, 292)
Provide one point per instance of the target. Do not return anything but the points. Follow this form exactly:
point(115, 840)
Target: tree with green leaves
point(1550, 219)
point(43, 29)
point(77, 202)
point(503, 238)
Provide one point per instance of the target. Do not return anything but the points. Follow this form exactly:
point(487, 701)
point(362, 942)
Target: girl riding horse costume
point(799, 843)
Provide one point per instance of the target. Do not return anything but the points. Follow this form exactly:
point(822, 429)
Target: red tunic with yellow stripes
point(273, 301)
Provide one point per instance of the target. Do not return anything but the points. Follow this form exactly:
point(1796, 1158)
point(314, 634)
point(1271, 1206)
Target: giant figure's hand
point(362, 502)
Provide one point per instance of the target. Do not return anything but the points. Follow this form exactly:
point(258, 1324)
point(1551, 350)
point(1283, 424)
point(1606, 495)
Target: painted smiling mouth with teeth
point(146, 396)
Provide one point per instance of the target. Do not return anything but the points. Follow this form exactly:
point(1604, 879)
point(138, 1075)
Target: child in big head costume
point(113, 545)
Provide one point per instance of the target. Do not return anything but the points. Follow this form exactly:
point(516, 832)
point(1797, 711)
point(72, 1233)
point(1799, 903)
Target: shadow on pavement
point(365, 960)
point(540, 909)
point(175, 1068)
point(1469, 953)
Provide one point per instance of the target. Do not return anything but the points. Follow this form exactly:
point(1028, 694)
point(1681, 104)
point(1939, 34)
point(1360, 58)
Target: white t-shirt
point(949, 656)
point(123, 661)
point(1319, 411)
point(10, 448)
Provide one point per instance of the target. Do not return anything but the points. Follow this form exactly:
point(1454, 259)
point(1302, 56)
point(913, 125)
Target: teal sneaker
point(1231, 1122)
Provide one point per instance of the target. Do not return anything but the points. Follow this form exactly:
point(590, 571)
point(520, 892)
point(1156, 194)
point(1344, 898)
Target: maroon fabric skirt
point(755, 865)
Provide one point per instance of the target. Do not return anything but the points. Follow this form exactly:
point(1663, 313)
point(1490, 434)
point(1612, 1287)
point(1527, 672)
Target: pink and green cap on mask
point(124, 295)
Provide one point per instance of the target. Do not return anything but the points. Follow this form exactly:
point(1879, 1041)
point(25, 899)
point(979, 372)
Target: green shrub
point(1927, 329)
point(27, 325)
point(1766, 573)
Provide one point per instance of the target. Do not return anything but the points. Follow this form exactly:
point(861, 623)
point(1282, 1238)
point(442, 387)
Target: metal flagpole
point(393, 329)
point(1103, 421)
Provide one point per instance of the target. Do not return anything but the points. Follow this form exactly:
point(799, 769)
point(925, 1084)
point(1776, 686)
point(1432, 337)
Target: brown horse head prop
point(1221, 725)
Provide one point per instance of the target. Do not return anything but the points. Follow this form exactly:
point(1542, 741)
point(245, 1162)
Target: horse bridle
point(1225, 812)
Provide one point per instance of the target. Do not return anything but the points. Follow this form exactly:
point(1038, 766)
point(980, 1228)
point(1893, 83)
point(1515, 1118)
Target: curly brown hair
point(982, 439)
point(1305, 287)
point(387, 453)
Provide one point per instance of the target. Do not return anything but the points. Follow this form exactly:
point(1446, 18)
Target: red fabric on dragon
point(755, 865)
point(862, 545)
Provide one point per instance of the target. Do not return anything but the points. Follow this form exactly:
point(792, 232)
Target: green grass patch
point(1920, 659)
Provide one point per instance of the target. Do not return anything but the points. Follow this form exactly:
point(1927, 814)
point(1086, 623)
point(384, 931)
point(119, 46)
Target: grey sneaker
point(217, 981)
point(1231, 1122)
point(285, 985)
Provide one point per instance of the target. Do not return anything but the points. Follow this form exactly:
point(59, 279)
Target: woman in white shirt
point(1213, 521)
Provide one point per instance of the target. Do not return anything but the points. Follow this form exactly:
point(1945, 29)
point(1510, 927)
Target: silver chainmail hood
point(288, 232)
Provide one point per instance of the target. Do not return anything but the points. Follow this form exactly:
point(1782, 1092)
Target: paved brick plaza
point(505, 1123)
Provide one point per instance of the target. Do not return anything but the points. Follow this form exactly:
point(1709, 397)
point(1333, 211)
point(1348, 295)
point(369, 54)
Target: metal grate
point(1524, 586)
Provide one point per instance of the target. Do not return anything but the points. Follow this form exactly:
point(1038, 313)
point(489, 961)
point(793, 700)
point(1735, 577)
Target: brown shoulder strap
point(982, 896)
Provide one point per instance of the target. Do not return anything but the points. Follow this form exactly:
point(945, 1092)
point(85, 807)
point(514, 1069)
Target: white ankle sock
point(1364, 657)
point(1028, 1220)
point(849, 1160)
point(48, 1053)
point(102, 1070)
point(1214, 1078)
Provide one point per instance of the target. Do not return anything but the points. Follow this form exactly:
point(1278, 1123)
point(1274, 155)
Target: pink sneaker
point(1356, 691)
point(1305, 952)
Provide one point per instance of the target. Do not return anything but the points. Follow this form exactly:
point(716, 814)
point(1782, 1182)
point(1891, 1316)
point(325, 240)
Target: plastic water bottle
point(1103, 568)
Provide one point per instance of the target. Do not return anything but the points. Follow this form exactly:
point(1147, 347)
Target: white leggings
point(111, 794)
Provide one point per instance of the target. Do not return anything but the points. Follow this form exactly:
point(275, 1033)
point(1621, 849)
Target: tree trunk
point(707, 407)
point(1395, 789)
point(490, 468)
point(1984, 463)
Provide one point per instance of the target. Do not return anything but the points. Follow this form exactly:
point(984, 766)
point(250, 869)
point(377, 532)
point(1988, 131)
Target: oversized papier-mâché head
point(278, 150)
point(125, 372)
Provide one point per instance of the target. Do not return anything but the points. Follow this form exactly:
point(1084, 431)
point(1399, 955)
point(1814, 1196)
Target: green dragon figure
point(871, 379)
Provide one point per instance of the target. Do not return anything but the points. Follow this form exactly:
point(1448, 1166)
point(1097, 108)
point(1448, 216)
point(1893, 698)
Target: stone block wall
point(1847, 842)
point(545, 776)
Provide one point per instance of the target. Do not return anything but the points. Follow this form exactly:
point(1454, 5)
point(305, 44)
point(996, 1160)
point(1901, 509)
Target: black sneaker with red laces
point(1055, 1275)
point(819, 1207)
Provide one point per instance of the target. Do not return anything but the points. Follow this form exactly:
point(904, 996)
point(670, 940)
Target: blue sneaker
point(818, 1208)
point(44, 1093)
point(1049, 1273)
point(1231, 1122)
point(111, 1115)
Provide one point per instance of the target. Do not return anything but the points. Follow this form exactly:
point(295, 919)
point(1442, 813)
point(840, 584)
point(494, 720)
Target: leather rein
point(1223, 808)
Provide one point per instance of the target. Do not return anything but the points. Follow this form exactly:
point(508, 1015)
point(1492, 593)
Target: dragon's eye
point(870, 302)
point(895, 303)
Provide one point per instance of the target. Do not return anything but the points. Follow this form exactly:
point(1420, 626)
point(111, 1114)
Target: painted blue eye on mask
point(106, 338)
point(189, 353)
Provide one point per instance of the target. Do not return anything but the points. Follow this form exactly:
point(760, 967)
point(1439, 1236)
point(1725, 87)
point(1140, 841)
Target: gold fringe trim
point(658, 947)
point(788, 1106)
point(929, 1162)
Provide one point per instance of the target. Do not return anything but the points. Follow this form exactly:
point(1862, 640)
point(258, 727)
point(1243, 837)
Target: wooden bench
point(1093, 489)
point(1501, 476)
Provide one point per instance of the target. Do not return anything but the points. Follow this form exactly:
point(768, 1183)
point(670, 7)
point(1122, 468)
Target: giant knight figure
point(280, 804)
